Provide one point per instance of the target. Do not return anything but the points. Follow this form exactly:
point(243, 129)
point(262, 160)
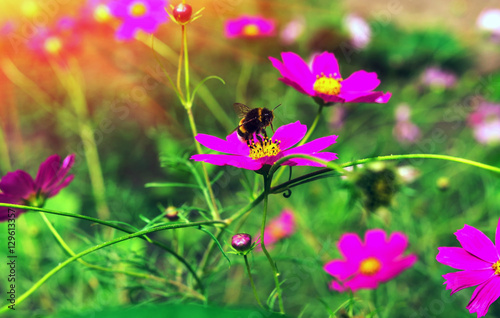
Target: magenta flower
point(58, 41)
point(18, 187)
point(280, 227)
point(145, 15)
point(249, 27)
point(323, 80)
point(366, 264)
point(479, 260)
point(436, 77)
point(257, 155)
point(485, 122)
point(405, 131)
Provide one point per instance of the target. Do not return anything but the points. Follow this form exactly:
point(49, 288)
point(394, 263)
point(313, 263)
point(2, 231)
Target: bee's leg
point(272, 128)
point(259, 138)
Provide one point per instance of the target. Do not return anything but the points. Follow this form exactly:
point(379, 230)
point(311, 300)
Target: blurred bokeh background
point(62, 68)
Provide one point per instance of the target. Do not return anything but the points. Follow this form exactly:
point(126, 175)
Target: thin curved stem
point(112, 225)
point(251, 281)
point(267, 184)
point(68, 250)
point(98, 247)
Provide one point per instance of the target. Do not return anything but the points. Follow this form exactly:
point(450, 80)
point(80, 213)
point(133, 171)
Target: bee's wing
point(243, 123)
point(241, 109)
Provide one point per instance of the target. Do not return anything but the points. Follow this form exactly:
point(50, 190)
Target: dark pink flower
point(145, 15)
point(405, 131)
point(254, 157)
point(249, 27)
point(323, 80)
point(479, 262)
point(485, 122)
point(58, 41)
point(436, 77)
point(18, 187)
point(368, 263)
point(280, 227)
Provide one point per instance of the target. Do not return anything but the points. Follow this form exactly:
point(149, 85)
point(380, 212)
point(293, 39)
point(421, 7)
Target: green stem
point(68, 250)
point(186, 65)
point(73, 86)
point(251, 281)
point(243, 79)
point(267, 183)
point(98, 247)
point(317, 174)
point(112, 225)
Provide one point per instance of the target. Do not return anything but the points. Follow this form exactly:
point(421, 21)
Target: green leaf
point(216, 241)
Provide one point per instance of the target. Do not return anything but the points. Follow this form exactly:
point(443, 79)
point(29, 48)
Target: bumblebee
point(253, 121)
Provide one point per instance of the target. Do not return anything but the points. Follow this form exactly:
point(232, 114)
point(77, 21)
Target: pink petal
point(459, 258)
point(497, 237)
point(360, 81)
point(47, 171)
point(484, 295)
point(55, 190)
point(327, 64)
point(326, 156)
point(477, 243)
point(398, 242)
point(294, 85)
point(290, 134)
point(18, 184)
point(394, 268)
point(314, 145)
point(4, 211)
point(340, 269)
point(126, 31)
point(464, 279)
point(351, 247)
point(356, 283)
point(229, 160)
point(300, 71)
point(235, 147)
point(364, 97)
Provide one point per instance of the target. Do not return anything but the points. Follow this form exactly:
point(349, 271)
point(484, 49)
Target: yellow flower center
point(267, 148)
point(52, 45)
point(101, 13)
point(251, 30)
point(496, 267)
point(370, 266)
point(327, 84)
point(138, 9)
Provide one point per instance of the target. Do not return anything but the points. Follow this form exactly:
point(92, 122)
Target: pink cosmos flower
point(479, 262)
point(405, 131)
point(281, 227)
point(254, 157)
point(145, 15)
point(58, 41)
point(323, 80)
point(436, 77)
point(249, 27)
point(489, 20)
point(359, 31)
point(18, 187)
point(368, 263)
point(485, 122)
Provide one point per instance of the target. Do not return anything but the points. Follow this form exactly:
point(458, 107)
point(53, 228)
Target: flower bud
point(171, 213)
point(443, 183)
point(182, 13)
point(241, 242)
